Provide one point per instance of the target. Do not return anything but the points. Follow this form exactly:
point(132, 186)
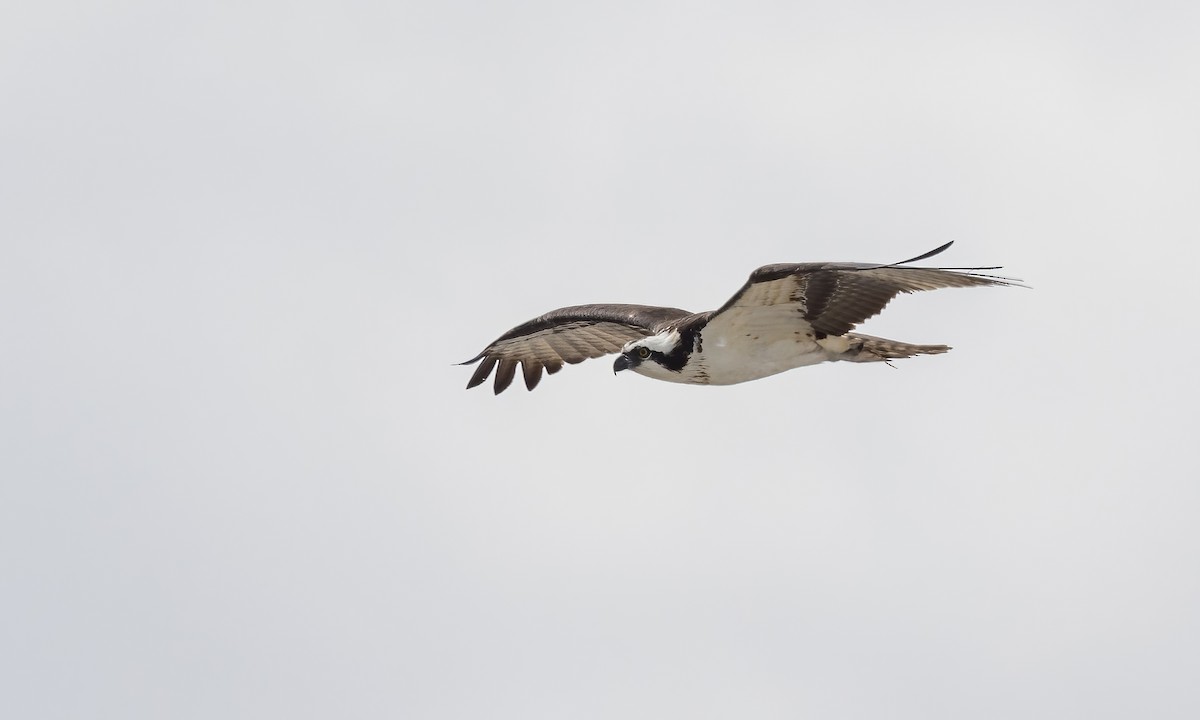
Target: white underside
point(728, 367)
point(748, 347)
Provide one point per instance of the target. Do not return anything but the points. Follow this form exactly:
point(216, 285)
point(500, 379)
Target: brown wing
point(834, 297)
point(567, 335)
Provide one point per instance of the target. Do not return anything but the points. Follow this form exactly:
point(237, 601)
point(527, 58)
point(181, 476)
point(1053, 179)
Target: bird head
point(658, 356)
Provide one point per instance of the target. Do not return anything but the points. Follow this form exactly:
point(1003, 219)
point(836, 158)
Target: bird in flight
point(784, 317)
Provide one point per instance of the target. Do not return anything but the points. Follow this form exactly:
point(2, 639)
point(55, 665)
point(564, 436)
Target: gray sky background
point(244, 242)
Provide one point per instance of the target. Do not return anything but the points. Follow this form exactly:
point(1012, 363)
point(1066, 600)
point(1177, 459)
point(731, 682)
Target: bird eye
point(643, 352)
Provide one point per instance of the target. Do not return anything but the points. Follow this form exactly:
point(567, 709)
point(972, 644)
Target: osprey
point(784, 317)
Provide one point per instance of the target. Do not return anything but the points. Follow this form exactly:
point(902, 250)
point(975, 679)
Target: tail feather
point(867, 348)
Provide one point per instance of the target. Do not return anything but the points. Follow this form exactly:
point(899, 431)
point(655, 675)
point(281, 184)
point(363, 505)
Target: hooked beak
point(622, 363)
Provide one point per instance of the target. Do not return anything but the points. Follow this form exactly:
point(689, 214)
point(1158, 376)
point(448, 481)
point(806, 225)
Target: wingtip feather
point(505, 374)
point(481, 373)
point(532, 372)
point(926, 256)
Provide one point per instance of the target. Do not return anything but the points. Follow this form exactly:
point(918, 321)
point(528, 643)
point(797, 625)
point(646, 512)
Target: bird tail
point(866, 348)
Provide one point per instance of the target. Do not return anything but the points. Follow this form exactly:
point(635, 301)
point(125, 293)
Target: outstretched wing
point(567, 335)
point(832, 298)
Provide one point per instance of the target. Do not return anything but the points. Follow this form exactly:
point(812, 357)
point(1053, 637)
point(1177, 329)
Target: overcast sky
point(243, 243)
